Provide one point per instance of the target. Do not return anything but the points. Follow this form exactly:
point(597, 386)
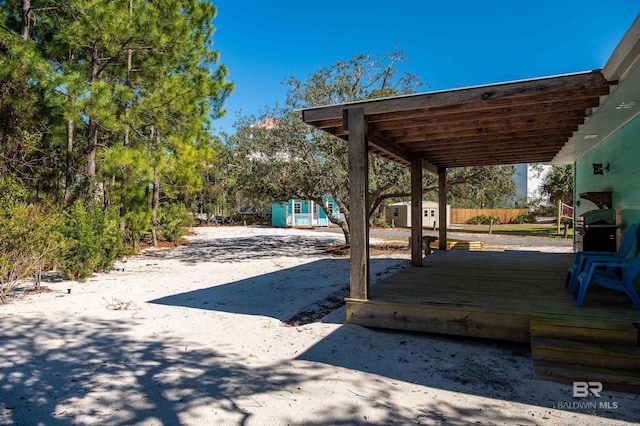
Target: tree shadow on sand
point(280, 294)
point(244, 249)
point(48, 369)
point(501, 371)
point(84, 370)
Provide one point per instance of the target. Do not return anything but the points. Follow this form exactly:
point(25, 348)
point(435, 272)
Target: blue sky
point(449, 44)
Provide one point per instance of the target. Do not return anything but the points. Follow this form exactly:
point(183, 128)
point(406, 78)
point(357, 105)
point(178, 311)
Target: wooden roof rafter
point(456, 127)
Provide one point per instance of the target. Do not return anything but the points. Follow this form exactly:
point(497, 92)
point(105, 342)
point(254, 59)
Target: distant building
point(528, 182)
point(399, 214)
point(304, 213)
point(521, 176)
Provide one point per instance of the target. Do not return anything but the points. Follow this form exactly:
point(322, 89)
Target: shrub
point(483, 220)
point(29, 239)
point(379, 222)
point(173, 221)
point(92, 240)
point(14, 266)
point(11, 190)
point(137, 227)
point(524, 218)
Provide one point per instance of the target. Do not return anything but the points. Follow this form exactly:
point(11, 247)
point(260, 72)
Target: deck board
point(527, 283)
point(514, 296)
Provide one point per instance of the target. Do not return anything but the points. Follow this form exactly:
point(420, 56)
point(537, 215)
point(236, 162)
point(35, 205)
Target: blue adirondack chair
point(583, 258)
point(609, 278)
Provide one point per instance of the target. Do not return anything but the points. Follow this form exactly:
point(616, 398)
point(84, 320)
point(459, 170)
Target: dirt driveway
point(195, 335)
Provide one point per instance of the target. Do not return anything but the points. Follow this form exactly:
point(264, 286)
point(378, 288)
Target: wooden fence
point(505, 215)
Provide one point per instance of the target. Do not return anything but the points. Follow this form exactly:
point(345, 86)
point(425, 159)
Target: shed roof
point(522, 121)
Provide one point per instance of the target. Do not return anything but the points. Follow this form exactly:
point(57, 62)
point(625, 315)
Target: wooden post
point(442, 208)
point(559, 219)
point(358, 205)
point(416, 211)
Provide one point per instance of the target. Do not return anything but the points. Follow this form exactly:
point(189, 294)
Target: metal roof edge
point(626, 55)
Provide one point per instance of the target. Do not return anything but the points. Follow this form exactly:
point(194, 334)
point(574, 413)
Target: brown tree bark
point(69, 175)
point(93, 126)
point(26, 9)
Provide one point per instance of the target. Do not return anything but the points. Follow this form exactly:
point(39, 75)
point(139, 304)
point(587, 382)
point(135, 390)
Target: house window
point(330, 208)
point(297, 208)
point(433, 213)
point(396, 212)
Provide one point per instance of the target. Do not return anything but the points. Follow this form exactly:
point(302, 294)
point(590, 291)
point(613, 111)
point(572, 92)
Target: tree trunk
point(69, 175)
point(155, 202)
point(24, 30)
point(345, 230)
point(91, 148)
point(155, 199)
point(123, 201)
point(128, 82)
point(93, 126)
point(343, 224)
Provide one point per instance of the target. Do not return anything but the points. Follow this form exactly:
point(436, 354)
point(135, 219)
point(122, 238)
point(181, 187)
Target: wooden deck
point(516, 296)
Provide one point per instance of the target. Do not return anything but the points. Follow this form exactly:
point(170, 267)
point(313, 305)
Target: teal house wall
point(279, 215)
point(307, 214)
point(621, 151)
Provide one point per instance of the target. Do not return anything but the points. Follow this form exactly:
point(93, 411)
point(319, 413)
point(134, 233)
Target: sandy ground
point(195, 336)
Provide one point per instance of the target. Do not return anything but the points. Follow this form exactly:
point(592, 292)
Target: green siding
point(279, 215)
point(622, 152)
point(283, 212)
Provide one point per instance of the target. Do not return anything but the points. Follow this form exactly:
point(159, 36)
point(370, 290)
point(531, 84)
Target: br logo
point(583, 389)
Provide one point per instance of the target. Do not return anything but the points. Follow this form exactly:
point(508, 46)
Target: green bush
point(137, 227)
point(173, 221)
point(11, 191)
point(28, 243)
point(379, 222)
point(91, 240)
point(483, 220)
point(524, 218)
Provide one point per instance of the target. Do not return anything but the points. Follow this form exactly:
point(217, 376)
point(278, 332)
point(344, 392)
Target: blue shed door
point(279, 215)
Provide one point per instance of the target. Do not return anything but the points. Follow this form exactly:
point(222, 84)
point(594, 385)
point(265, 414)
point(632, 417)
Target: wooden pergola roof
point(508, 123)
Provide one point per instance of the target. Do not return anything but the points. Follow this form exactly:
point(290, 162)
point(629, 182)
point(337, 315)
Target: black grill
point(597, 230)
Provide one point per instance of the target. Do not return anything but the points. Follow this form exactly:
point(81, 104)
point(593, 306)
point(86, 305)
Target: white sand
point(194, 336)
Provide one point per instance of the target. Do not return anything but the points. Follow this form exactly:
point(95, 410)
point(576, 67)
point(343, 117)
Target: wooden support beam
point(438, 157)
point(528, 145)
point(493, 161)
point(569, 101)
point(514, 122)
point(416, 211)
point(388, 146)
point(480, 94)
point(442, 208)
point(560, 129)
point(398, 128)
point(508, 138)
point(430, 167)
point(358, 206)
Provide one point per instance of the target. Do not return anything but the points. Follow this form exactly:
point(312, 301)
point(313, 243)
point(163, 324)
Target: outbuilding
point(304, 213)
point(399, 214)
